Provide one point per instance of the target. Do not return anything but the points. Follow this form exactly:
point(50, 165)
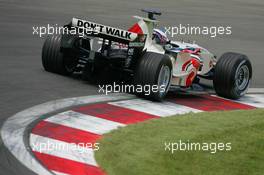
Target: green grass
point(139, 149)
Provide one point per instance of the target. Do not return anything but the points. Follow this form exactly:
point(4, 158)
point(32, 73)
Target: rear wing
point(106, 32)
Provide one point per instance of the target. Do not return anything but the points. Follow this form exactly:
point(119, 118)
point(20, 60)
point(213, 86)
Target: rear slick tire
point(54, 59)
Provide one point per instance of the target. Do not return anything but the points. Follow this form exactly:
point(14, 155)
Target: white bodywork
point(147, 26)
point(182, 74)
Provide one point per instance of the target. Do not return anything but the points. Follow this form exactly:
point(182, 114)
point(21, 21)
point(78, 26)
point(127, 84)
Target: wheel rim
point(164, 79)
point(242, 77)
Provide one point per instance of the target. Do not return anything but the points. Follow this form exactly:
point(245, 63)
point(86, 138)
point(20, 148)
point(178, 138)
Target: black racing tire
point(233, 72)
point(150, 70)
point(54, 59)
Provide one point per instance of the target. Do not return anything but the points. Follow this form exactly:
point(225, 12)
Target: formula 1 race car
point(146, 55)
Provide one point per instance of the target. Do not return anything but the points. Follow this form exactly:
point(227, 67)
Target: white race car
point(146, 55)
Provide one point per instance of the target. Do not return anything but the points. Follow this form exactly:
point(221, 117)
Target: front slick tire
point(232, 77)
point(154, 71)
point(54, 59)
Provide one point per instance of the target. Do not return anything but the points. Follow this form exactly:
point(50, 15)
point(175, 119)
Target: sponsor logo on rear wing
point(105, 30)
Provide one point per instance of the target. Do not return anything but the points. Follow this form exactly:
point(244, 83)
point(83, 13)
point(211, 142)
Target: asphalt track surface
point(24, 83)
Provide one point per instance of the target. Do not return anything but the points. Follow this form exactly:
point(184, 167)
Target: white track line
point(59, 173)
point(62, 149)
point(14, 128)
point(155, 108)
point(84, 122)
point(256, 100)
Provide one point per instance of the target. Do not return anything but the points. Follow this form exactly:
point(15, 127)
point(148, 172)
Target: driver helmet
point(160, 36)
